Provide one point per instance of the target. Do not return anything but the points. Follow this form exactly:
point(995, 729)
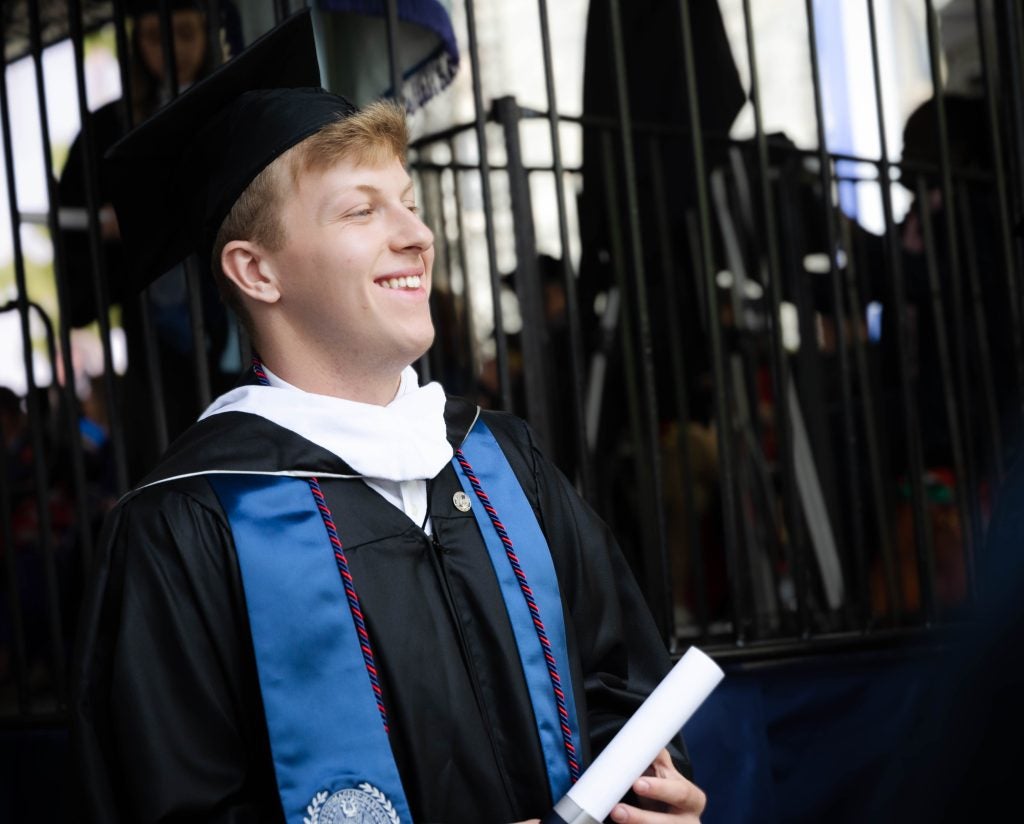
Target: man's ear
point(246, 265)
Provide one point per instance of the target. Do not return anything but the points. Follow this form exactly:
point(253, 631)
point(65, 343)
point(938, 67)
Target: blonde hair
point(371, 136)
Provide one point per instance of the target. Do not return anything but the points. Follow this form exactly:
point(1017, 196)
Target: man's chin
point(425, 349)
point(418, 350)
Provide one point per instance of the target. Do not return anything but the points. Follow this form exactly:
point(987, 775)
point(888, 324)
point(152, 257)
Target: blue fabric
point(499, 482)
point(826, 739)
point(326, 733)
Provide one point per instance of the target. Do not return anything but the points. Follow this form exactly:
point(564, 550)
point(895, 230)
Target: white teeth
point(410, 282)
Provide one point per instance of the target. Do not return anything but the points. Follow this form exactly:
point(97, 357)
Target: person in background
point(167, 299)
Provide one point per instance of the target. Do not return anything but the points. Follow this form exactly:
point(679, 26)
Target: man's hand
point(664, 796)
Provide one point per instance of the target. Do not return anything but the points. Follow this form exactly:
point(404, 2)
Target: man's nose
point(412, 232)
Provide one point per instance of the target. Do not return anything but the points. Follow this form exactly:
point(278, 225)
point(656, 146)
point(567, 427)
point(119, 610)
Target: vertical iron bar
point(282, 8)
point(780, 364)
point(95, 247)
point(467, 304)
point(737, 394)
point(807, 367)
point(427, 196)
point(500, 341)
point(430, 362)
point(436, 218)
point(20, 658)
point(69, 399)
point(627, 334)
point(213, 33)
point(124, 55)
point(167, 45)
point(949, 393)
point(425, 363)
point(191, 270)
point(154, 372)
point(856, 520)
point(699, 280)
point(723, 415)
point(1014, 32)
point(923, 541)
point(967, 484)
point(391, 24)
point(40, 476)
point(673, 306)
point(534, 339)
point(1013, 97)
point(656, 562)
point(51, 340)
point(986, 46)
point(981, 326)
point(878, 499)
point(576, 355)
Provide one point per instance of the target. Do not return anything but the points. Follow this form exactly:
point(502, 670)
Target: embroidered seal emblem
point(461, 501)
point(364, 804)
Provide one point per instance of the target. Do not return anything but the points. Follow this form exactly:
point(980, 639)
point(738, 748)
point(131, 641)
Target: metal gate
point(795, 420)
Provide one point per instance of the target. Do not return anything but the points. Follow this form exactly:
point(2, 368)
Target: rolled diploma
point(650, 729)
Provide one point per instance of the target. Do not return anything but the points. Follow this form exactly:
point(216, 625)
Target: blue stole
point(330, 750)
point(496, 477)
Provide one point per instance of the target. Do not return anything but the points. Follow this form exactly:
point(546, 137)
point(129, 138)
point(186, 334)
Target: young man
point(341, 596)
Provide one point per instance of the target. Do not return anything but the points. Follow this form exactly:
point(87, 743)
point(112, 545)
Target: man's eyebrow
point(369, 188)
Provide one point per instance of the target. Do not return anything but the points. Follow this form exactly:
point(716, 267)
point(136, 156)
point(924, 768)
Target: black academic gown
point(168, 719)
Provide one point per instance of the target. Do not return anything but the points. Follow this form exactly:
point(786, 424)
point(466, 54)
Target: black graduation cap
point(176, 176)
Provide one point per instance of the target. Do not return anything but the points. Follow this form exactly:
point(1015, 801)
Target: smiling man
point(341, 596)
point(335, 290)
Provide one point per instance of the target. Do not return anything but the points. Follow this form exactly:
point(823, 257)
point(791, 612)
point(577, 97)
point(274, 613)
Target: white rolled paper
point(650, 729)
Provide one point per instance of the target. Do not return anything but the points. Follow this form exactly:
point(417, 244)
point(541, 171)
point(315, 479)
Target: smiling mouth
point(404, 282)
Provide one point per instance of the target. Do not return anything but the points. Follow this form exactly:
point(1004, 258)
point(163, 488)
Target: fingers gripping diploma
point(664, 796)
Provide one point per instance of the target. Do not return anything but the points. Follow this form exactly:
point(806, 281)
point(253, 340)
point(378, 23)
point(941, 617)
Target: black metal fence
point(795, 426)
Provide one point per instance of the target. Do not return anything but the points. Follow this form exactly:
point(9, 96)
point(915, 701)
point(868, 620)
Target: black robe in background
point(659, 100)
point(167, 299)
point(168, 722)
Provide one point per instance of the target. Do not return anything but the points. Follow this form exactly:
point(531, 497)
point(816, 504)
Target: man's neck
point(377, 387)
